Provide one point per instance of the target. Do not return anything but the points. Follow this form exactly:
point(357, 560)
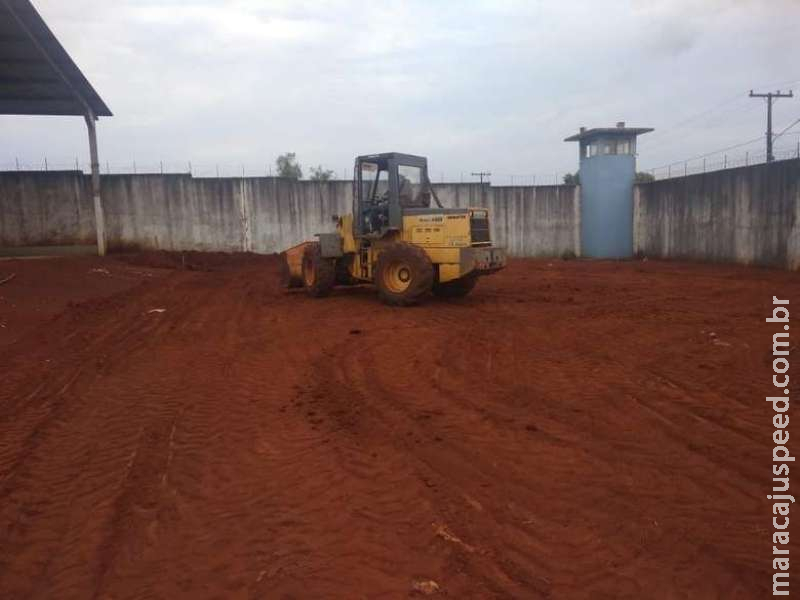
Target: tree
point(572, 179)
point(644, 177)
point(320, 174)
point(288, 166)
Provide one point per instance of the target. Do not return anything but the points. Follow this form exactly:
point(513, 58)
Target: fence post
point(686, 168)
point(244, 214)
point(704, 165)
point(16, 160)
point(747, 158)
point(725, 162)
point(190, 167)
point(669, 171)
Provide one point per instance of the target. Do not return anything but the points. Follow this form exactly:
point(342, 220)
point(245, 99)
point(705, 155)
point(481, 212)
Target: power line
point(668, 132)
point(668, 135)
point(785, 129)
point(770, 96)
point(720, 151)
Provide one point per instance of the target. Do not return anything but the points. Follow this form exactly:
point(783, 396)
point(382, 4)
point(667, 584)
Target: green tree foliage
point(288, 166)
point(572, 179)
point(320, 174)
point(643, 177)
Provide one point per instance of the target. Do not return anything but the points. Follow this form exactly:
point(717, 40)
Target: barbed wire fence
point(728, 158)
point(227, 170)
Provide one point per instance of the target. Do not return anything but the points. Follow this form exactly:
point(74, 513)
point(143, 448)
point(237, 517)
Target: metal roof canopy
point(38, 77)
point(619, 130)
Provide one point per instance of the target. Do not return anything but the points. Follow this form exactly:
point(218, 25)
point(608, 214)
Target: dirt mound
point(195, 261)
point(571, 430)
point(43, 288)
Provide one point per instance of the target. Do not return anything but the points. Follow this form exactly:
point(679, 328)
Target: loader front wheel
point(403, 274)
point(319, 274)
point(458, 288)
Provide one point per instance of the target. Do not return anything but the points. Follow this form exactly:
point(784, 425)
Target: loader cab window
point(374, 182)
point(412, 191)
point(374, 208)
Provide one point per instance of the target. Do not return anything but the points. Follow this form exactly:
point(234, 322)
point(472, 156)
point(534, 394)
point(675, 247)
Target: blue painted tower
point(607, 172)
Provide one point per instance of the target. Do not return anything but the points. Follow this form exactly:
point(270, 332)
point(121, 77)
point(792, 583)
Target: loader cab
point(384, 185)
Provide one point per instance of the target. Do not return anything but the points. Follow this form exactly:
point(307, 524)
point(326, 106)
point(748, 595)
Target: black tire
point(343, 265)
point(458, 288)
point(319, 274)
point(403, 274)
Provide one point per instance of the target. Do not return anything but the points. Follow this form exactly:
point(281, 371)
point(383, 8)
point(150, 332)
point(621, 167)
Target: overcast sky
point(471, 84)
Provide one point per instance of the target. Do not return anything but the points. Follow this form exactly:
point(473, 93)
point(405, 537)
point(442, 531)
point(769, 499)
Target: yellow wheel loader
point(396, 240)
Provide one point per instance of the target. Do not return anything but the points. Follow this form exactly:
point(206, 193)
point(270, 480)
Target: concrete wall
point(748, 215)
point(529, 220)
point(179, 212)
point(45, 209)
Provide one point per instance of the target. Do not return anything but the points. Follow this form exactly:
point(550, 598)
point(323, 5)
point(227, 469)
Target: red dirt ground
point(571, 430)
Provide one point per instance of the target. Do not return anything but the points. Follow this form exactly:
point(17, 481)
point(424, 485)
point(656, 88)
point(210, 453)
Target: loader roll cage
point(385, 184)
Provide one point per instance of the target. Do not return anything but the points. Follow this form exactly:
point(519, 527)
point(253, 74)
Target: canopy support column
point(99, 217)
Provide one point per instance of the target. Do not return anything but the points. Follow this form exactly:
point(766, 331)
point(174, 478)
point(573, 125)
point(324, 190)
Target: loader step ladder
point(364, 261)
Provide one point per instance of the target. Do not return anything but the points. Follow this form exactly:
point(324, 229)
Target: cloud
point(475, 85)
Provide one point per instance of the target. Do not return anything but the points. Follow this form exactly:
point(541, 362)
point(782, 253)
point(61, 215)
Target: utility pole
point(482, 174)
point(770, 96)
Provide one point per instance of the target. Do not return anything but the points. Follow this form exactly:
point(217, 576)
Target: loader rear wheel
point(319, 274)
point(458, 288)
point(403, 274)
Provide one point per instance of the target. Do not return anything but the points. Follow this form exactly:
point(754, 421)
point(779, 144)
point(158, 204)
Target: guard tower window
point(623, 147)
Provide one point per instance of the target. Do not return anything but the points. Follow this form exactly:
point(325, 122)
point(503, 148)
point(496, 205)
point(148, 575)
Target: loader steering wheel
point(376, 216)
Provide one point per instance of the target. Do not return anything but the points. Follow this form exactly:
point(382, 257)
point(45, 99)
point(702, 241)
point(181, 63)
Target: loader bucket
point(292, 265)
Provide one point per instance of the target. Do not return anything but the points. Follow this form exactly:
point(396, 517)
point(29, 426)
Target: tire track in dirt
point(75, 367)
point(370, 408)
point(522, 442)
point(67, 457)
point(587, 545)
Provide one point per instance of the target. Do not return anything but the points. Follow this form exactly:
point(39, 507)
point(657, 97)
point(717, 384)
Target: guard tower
point(607, 173)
